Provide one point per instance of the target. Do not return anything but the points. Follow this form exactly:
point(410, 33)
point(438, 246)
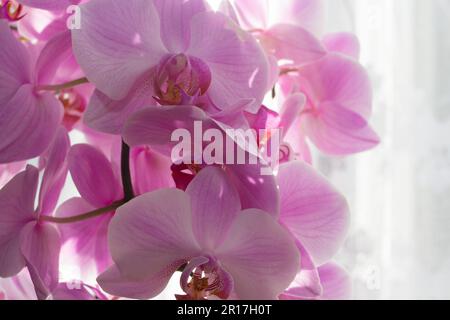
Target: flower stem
point(84, 216)
point(59, 87)
point(126, 174)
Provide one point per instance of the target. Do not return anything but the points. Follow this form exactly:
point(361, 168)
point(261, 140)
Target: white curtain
point(399, 193)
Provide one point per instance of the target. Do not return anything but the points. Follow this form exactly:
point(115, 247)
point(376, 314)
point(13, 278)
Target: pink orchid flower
point(339, 104)
point(174, 52)
point(30, 115)
point(285, 28)
point(221, 249)
point(25, 237)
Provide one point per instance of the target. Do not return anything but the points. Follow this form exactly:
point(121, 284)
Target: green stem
point(63, 86)
point(126, 174)
point(84, 216)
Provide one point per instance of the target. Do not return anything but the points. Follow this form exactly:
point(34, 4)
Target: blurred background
point(399, 193)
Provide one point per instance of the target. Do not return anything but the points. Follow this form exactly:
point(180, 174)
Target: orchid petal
point(55, 173)
point(175, 19)
point(54, 5)
point(339, 131)
point(90, 236)
point(313, 210)
point(215, 203)
point(113, 282)
point(150, 170)
point(40, 245)
point(93, 175)
point(28, 124)
point(115, 47)
point(336, 282)
point(343, 42)
point(15, 67)
point(238, 65)
point(17, 203)
point(260, 255)
point(152, 232)
point(293, 43)
point(109, 116)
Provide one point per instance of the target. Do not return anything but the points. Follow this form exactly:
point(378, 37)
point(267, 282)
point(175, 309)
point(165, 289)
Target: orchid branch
point(63, 86)
point(126, 174)
point(84, 216)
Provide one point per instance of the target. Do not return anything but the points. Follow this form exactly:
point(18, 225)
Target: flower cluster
point(129, 76)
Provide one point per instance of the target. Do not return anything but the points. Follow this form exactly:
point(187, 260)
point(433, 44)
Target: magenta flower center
point(74, 106)
point(11, 10)
point(179, 78)
point(205, 283)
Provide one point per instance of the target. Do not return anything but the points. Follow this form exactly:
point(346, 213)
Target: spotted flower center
point(180, 79)
point(74, 106)
point(203, 285)
point(11, 10)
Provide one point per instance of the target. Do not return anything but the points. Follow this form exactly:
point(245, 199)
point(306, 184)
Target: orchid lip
point(181, 79)
point(11, 11)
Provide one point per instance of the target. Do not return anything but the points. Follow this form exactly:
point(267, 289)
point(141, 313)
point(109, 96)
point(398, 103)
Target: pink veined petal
point(56, 51)
point(19, 287)
point(9, 170)
point(175, 17)
point(118, 42)
point(17, 207)
point(109, 116)
point(55, 173)
point(255, 190)
point(54, 5)
point(151, 233)
point(313, 210)
point(28, 124)
point(227, 9)
point(339, 131)
point(113, 282)
point(293, 43)
point(290, 111)
point(264, 119)
point(93, 175)
point(238, 65)
point(40, 245)
point(336, 282)
point(150, 170)
point(309, 14)
point(90, 236)
point(154, 125)
point(15, 67)
point(340, 80)
point(306, 284)
point(343, 42)
point(260, 255)
point(262, 14)
point(252, 14)
point(215, 204)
